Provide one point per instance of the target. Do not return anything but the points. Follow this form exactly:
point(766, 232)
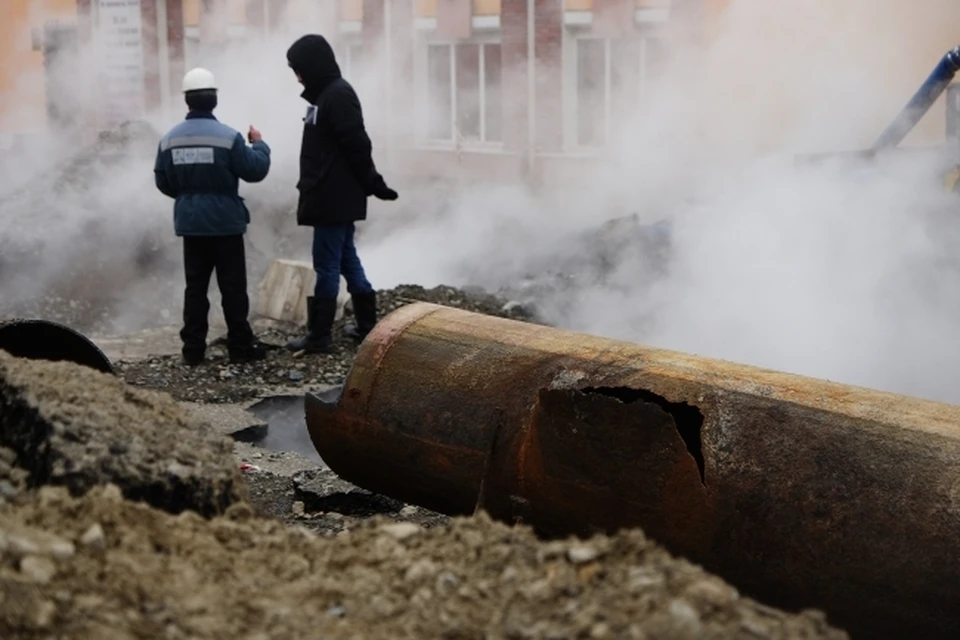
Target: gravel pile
point(102, 567)
point(219, 381)
point(76, 427)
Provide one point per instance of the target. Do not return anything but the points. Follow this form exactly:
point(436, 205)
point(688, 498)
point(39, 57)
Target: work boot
point(364, 314)
point(320, 315)
point(193, 357)
point(253, 352)
point(299, 344)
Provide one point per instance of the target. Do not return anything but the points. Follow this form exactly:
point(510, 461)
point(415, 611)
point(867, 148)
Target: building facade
point(533, 90)
point(500, 88)
point(497, 89)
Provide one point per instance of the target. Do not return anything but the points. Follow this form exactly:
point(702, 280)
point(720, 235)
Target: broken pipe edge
point(36, 339)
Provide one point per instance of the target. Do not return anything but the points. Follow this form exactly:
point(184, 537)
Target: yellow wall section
point(587, 5)
point(21, 68)
point(425, 8)
point(191, 13)
point(351, 9)
point(486, 7)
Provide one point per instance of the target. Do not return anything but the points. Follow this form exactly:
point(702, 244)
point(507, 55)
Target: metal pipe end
point(44, 340)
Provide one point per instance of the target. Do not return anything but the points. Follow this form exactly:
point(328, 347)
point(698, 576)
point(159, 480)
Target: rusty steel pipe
point(44, 340)
point(801, 492)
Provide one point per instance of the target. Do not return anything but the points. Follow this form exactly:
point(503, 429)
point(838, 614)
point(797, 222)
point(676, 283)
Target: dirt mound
point(76, 427)
point(99, 566)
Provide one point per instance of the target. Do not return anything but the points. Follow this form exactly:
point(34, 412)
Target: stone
point(38, 569)
point(401, 530)
point(94, 538)
point(581, 554)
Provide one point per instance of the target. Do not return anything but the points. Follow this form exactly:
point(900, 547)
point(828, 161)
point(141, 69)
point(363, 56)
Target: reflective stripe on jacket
point(200, 163)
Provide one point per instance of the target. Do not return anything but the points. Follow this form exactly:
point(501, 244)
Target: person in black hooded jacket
point(337, 175)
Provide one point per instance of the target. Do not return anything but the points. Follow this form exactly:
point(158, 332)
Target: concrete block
point(282, 294)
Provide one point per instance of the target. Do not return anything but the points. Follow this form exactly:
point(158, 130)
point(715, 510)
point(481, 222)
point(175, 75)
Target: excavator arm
point(920, 103)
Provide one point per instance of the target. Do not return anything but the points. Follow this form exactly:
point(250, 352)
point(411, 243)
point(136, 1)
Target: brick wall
point(402, 71)
point(549, 75)
point(276, 9)
point(254, 12)
point(548, 54)
point(373, 23)
point(175, 44)
point(513, 47)
point(151, 63)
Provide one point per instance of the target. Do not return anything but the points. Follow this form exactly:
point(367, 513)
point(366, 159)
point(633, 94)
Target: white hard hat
point(198, 80)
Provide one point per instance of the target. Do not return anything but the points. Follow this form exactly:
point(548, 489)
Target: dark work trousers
point(333, 254)
point(201, 256)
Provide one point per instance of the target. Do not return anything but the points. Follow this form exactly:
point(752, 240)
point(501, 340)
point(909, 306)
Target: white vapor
point(819, 271)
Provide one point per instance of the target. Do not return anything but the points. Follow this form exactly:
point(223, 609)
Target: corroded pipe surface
point(801, 492)
point(45, 340)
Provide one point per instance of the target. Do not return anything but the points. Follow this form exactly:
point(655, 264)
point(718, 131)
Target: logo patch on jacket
point(193, 155)
point(311, 117)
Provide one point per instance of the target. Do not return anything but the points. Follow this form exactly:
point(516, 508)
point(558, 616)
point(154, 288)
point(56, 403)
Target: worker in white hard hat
point(200, 163)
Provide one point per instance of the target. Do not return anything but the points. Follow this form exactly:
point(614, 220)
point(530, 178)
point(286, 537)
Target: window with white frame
point(463, 83)
point(610, 75)
point(602, 72)
point(592, 91)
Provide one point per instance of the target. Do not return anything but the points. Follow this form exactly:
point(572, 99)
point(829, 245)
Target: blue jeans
point(333, 254)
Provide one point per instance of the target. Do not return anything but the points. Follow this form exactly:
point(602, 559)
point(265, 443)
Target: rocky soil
point(219, 381)
point(119, 569)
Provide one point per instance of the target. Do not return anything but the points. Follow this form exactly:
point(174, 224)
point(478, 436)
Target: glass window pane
point(591, 84)
point(494, 108)
point(624, 78)
point(468, 91)
point(439, 107)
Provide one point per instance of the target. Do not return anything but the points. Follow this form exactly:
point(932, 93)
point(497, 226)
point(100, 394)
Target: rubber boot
point(365, 316)
point(298, 344)
point(320, 316)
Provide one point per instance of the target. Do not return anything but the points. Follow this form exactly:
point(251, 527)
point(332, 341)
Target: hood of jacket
point(313, 59)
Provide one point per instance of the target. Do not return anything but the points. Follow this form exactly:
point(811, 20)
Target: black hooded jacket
point(337, 172)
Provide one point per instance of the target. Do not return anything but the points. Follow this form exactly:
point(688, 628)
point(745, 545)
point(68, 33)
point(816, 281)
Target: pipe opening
point(686, 417)
point(44, 340)
point(286, 428)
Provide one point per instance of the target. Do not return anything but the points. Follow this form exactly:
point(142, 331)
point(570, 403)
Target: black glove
point(383, 192)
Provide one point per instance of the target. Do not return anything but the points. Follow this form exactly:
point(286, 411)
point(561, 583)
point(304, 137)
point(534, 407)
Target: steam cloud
point(842, 275)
